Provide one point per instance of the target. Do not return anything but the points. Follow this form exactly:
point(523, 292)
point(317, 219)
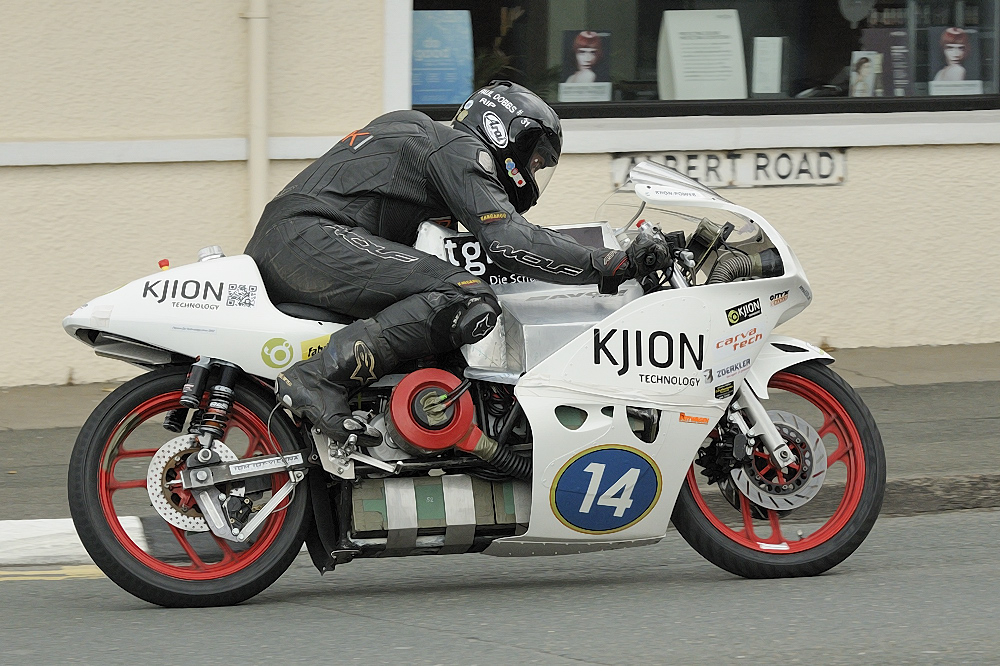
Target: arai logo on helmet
point(495, 129)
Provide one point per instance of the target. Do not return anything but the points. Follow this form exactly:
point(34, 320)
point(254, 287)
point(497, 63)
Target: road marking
point(82, 571)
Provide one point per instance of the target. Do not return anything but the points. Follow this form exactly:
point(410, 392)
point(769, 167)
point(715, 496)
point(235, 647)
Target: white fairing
point(595, 485)
point(216, 308)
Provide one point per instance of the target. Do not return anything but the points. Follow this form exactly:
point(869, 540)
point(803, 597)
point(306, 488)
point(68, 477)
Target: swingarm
point(228, 515)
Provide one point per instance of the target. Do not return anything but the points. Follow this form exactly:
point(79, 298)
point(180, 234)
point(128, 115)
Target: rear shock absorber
point(194, 388)
point(220, 401)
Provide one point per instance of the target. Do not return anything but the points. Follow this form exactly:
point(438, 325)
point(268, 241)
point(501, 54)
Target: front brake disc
point(767, 486)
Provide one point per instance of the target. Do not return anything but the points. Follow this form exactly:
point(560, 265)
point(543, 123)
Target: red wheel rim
point(232, 561)
point(849, 452)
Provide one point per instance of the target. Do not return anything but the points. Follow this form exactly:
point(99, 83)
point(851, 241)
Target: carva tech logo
point(277, 353)
point(744, 311)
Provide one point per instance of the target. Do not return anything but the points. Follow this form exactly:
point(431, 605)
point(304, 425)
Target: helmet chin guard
point(522, 133)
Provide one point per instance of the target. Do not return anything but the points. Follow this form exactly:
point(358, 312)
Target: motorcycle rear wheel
point(143, 553)
point(831, 526)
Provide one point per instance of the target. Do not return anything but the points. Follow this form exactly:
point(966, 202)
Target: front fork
point(746, 404)
point(750, 417)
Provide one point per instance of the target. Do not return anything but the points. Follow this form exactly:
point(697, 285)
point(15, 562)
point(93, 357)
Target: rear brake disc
point(175, 504)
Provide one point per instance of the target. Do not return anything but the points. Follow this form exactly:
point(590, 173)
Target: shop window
point(601, 58)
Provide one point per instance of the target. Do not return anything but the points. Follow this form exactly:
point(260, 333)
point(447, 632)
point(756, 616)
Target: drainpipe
point(397, 55)
point(257, 159)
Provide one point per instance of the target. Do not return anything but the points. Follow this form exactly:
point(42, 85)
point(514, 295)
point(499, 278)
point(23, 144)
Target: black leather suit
point(340, 236)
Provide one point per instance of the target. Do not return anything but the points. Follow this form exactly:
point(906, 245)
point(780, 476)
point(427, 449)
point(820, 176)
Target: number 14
point(625, 485)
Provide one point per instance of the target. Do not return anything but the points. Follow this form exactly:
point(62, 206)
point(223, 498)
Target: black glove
point(646, 254)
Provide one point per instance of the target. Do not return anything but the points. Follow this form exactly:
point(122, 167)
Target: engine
point(431, 411)
point(442, 497)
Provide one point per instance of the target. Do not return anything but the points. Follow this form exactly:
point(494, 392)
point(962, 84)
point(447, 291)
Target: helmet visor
point(542, 177)
point(543, 163)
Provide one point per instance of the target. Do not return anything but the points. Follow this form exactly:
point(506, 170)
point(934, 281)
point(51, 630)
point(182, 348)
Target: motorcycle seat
point(304, 311)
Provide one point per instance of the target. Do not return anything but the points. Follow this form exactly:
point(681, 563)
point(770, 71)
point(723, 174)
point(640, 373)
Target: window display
point(769, 68)
point(956, 61)
point(586, 71)
point(442, 57)
point(866, 74)
point(669, 57)
point(892, 45)
point(701, 55)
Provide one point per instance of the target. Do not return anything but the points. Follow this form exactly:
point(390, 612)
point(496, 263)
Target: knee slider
point(476, 321)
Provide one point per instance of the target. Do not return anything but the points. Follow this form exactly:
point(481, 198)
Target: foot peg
point(360, 433)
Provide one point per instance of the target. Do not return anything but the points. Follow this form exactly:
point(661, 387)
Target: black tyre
point(753, 540)
point(127, 538)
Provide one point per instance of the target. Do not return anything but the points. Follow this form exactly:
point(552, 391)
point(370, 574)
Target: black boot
point(316, 389)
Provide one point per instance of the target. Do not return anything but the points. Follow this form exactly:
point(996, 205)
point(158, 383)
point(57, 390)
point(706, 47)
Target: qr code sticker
point(242, 295)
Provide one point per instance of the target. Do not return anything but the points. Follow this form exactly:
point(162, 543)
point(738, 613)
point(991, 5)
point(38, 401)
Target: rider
point(339, 237)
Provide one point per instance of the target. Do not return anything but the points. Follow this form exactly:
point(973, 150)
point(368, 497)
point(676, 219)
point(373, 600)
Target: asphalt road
point(941, 442)
point(920, 590)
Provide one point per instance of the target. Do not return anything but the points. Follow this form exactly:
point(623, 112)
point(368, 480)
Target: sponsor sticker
point(632, 349)
point(277, 353)
point(688, 418)
point(724, 391)
point(492, 217)
point(670, 380)
point(314, 346)
point(496, 131)
point(779, 298)
point(738, 341)
point(743, 311)
point(204, 295)
point(242, 296)
point(605, 489)
point(514, 173)
point(265, 464)
point(805, 292)
point(731, 369)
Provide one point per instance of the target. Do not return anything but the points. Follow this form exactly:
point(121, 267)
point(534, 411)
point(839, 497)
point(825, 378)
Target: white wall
point(901, 254)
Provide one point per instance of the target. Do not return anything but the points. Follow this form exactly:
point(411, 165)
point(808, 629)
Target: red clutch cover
point(409, 421)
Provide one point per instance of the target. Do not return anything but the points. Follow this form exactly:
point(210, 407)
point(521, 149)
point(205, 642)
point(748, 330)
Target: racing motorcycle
point(585, 421)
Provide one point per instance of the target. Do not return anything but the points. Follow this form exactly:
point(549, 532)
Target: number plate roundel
point(605, 489)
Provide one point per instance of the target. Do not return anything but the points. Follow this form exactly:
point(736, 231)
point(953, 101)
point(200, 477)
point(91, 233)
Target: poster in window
point(442, 56)
point(770, 70)
point(893, 45)
point(700, 55)
point(953, 56)
point(866, 74)
point(586, 66)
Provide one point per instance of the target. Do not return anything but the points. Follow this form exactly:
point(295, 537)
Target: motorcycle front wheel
point(754, 541)
point(178, 563)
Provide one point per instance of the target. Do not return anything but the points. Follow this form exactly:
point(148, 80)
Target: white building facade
point(133, 132)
